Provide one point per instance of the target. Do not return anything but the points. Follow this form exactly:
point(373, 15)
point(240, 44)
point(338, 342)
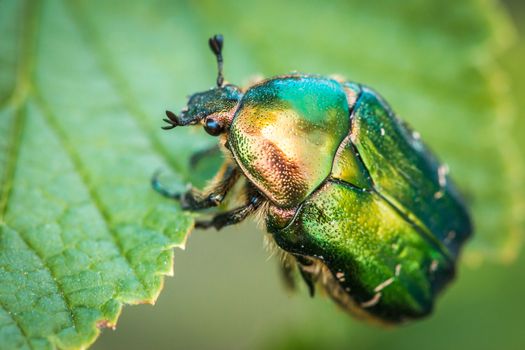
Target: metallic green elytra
point(353, 198)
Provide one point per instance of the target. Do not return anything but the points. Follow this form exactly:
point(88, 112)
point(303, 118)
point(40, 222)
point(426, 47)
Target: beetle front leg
point(196, 200)
point(234, 216)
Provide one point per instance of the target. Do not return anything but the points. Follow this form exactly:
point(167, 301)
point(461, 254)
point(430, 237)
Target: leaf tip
point(182, 244)
point(106, 324)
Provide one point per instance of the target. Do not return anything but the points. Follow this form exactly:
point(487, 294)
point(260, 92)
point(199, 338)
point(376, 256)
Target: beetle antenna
point(172, 120)
point(216, 43)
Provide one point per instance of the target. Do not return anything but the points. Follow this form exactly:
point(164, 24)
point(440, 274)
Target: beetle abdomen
point(286, 132)
point(382, 261)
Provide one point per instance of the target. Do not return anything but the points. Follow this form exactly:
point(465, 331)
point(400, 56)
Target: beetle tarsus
point(159, 188)
point(194, 200)
point(189, 200)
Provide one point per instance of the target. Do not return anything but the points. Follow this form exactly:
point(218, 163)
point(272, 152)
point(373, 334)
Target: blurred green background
point(454, 70)
point(227, 294)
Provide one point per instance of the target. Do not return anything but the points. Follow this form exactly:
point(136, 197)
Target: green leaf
point(81, 232)
point(83, 85)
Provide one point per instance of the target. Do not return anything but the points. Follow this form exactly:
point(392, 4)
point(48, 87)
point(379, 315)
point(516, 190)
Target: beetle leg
point(197, 200)
point(234, 216)
point(309, 272)
point(287, 267)
point(309, 280)
point(199, 155)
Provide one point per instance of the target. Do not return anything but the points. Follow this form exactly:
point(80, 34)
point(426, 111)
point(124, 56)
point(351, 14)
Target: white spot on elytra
point(340, 276)
point(416, 135)
point(382, 132)
point(433, 266)
point(397, 270)
point(384, 285)
point(442, 175)
point(442, 179)
point(375, 299)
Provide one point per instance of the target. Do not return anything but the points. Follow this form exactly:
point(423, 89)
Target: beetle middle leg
point(194, 199)
point(309, 271)
point(236, 215)
point(287, 267)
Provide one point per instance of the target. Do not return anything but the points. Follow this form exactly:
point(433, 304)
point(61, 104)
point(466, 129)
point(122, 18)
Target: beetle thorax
point(285, 135)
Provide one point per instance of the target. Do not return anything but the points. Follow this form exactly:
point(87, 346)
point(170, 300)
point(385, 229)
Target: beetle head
point(213, 108)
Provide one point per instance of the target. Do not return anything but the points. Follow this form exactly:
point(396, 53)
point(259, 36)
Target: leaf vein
point(121, 87)
point(53, 275)
point(80, 169)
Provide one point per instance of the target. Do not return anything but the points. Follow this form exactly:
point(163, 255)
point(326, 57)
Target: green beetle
point(352, 197)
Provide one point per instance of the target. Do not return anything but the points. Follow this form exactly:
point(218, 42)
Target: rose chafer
point(357, 203)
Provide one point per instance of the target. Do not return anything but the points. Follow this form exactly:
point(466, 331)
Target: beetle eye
point(213, 127)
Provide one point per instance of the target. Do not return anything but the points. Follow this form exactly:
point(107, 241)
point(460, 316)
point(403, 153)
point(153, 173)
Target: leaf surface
point(81, 232)
point(83, 85)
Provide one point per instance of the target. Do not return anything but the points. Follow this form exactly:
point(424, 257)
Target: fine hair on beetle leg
point(283, 257)
point(218, 180)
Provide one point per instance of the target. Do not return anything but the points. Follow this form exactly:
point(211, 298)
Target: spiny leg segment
point(194, 199)
point(236, 215)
